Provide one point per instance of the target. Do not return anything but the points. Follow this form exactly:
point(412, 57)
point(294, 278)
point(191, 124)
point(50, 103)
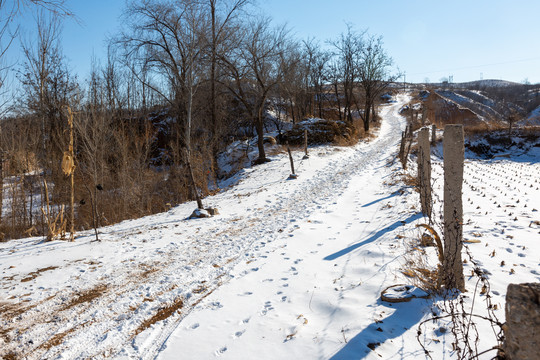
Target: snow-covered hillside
point(289, 269)
point(484, 111)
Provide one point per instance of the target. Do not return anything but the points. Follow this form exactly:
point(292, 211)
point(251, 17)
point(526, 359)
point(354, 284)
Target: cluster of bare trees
point(180, 80)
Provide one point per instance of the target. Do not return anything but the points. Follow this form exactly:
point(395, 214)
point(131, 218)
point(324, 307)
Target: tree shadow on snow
point(373, 237)
point(381, 199)
point(405, 316)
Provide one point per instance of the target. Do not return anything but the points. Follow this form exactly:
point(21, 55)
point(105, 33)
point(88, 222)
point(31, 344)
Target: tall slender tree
point(375, 75)
point(166, 38)
point(254, 71)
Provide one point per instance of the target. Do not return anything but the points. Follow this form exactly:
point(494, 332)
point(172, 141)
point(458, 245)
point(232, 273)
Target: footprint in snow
point(298, 260)
point(221, 351)
point(215, 305)
point(283, 298)
point(268, 280)
point(194, 326)
point(247, 293)
point(267, 307)
point(238, 334)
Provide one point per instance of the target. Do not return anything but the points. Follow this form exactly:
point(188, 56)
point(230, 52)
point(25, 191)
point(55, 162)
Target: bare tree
point(317, 72)
point(334, 78)
point(166, 38)
point(47, 84)
point(293, 85)
point(224, 15)
point(9, 10)
point(254, 70)
point(374, 74)
point(348, 58)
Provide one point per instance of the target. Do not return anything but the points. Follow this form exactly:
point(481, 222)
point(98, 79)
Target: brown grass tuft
point(161, 314)
point(56, 339)
point(35, 274)
point(86, 296)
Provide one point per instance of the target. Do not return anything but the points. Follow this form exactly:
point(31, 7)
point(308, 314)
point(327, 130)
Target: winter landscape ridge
point(288, 269)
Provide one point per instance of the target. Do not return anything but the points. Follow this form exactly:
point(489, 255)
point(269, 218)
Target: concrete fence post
point(522, 329)
point(453, 153)
point(424, 171)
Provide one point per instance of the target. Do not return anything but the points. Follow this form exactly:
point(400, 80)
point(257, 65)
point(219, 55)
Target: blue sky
point(427, 39)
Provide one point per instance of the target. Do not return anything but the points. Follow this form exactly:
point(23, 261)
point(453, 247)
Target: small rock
point(200, 213)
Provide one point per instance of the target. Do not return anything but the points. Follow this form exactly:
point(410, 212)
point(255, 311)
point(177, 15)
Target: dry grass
point(56, 339)
point(35, 274)
point(483, 128)
point(411, 181)
point(417, 267)
point(162, 314)
point(86, 296)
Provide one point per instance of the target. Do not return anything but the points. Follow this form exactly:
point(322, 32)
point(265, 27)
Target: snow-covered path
point(278, 272)
point(289, 269)
point(298, 294)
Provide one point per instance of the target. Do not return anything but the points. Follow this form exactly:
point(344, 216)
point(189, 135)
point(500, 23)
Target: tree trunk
point(367, 116)
point(336, 92)
point(319, 101)
point(260, 139)
point(192, 180)
point(213, 111)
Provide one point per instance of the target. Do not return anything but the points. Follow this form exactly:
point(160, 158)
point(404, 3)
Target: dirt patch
point(162, 314)
point(10, 356)
point(9, 311)
point(86, 296)
point(35, 274)
point(56, 339)
point(4, 334)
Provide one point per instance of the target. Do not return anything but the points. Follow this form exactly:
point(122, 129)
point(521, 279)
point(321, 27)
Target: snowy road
point(290, 269)
point(324, 253)
point(277, 273)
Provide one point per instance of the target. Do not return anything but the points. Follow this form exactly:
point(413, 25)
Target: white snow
point(290, 269)
point(532, 119)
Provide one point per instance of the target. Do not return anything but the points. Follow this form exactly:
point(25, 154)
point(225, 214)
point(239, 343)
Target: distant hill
point(491, 101)
point(486, 83)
